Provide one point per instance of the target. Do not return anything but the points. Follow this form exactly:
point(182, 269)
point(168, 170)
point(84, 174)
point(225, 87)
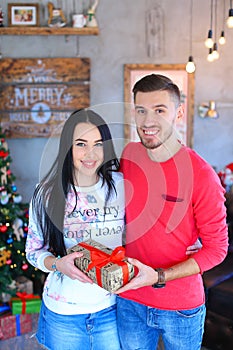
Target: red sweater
point(168, 206)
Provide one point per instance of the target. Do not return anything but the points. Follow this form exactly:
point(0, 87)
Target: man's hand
point(146, 277)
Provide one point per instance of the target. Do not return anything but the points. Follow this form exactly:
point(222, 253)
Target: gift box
point(106, 267)
point(12, 326)
point(4, 309)
point(23, 284)
point(25, 304)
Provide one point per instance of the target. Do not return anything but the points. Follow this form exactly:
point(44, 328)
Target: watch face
point(158, 285)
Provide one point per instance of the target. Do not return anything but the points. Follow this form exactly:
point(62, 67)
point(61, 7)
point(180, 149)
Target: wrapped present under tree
point(25, 303)
point(14, 325)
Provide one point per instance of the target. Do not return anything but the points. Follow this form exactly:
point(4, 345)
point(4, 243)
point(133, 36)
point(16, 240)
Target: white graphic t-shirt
point(93, 219)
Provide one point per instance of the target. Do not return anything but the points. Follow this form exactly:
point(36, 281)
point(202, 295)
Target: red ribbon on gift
point(100, 259)
point(24, 297)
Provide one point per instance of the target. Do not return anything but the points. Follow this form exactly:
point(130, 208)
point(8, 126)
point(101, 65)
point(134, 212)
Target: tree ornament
point(4, 197)
point(4, 256)
point(25, 266)
point(17, 228)
point(9, 240)
point(4, 176)
point(3, 154)
point(14, 188)
point(5, 211)
point(17, 198)
point(3, 228)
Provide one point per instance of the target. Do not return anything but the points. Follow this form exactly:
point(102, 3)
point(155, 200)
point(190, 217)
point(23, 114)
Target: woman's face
point(88, 154)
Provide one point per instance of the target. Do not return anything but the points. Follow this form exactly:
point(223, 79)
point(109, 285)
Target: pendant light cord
point(223, 19)
point(211, 14)
point(216, 11)
point(191, 26)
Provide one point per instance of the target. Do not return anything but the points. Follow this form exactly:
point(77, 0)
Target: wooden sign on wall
point(37, 95)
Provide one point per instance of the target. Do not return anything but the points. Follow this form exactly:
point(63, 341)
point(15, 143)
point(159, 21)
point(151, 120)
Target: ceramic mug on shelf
point(79, 20)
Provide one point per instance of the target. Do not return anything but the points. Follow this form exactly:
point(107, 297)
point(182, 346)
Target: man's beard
point(155, 144)
point(151, 144)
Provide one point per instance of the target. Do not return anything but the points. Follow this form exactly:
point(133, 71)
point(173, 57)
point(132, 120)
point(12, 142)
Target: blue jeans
point(97, 331)
point(140, 327)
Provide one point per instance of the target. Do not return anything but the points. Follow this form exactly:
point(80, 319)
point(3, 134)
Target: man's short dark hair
point(157, 82)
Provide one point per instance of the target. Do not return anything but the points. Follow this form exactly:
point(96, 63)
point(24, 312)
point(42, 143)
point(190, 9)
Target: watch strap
point(161, 283)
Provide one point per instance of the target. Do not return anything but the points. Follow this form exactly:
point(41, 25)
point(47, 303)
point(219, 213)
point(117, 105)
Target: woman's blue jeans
point(96, 331)
point(140, 327)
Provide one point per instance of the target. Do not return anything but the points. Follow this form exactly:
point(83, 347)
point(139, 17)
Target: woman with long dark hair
point(81, 197)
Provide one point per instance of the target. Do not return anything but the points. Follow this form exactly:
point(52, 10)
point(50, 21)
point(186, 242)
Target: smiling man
point(173, 197)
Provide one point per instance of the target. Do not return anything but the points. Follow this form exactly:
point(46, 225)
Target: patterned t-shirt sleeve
point(36, 251)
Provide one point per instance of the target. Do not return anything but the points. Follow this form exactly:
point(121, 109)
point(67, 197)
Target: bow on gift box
point(24, 297)
point(100, 259)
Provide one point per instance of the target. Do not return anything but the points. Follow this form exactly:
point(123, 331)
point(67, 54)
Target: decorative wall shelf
point(48, 31)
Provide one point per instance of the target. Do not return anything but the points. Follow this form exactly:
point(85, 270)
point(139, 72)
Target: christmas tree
point(13, 228)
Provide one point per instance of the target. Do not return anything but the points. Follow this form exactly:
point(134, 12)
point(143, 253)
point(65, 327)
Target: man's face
point(155, 114)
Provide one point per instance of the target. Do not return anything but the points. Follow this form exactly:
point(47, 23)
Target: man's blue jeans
point(140, 327)
point(96, 331)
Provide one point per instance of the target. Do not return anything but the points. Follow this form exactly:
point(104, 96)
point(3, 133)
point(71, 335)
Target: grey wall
point(122, 40)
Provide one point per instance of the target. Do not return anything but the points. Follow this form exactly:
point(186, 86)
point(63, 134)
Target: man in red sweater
point(173, 197)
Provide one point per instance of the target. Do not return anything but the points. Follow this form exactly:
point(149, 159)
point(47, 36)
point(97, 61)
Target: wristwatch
point(161, 279)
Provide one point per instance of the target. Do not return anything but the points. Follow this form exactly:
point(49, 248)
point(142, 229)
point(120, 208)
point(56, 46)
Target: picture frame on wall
point(23, 14)
point(177, 73)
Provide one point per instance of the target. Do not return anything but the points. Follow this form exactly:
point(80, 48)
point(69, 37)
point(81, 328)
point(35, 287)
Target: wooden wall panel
point(37, 95)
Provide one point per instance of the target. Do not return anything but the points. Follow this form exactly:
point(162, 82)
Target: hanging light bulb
point(230, 16)
point(190, 66)
point(230, 19)
point(209, 41)
point(215, 53)
point(215, 46)
point(222, 39)
point(210, 57)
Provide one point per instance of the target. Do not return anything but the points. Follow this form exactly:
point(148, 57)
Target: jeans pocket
point(190, 312)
